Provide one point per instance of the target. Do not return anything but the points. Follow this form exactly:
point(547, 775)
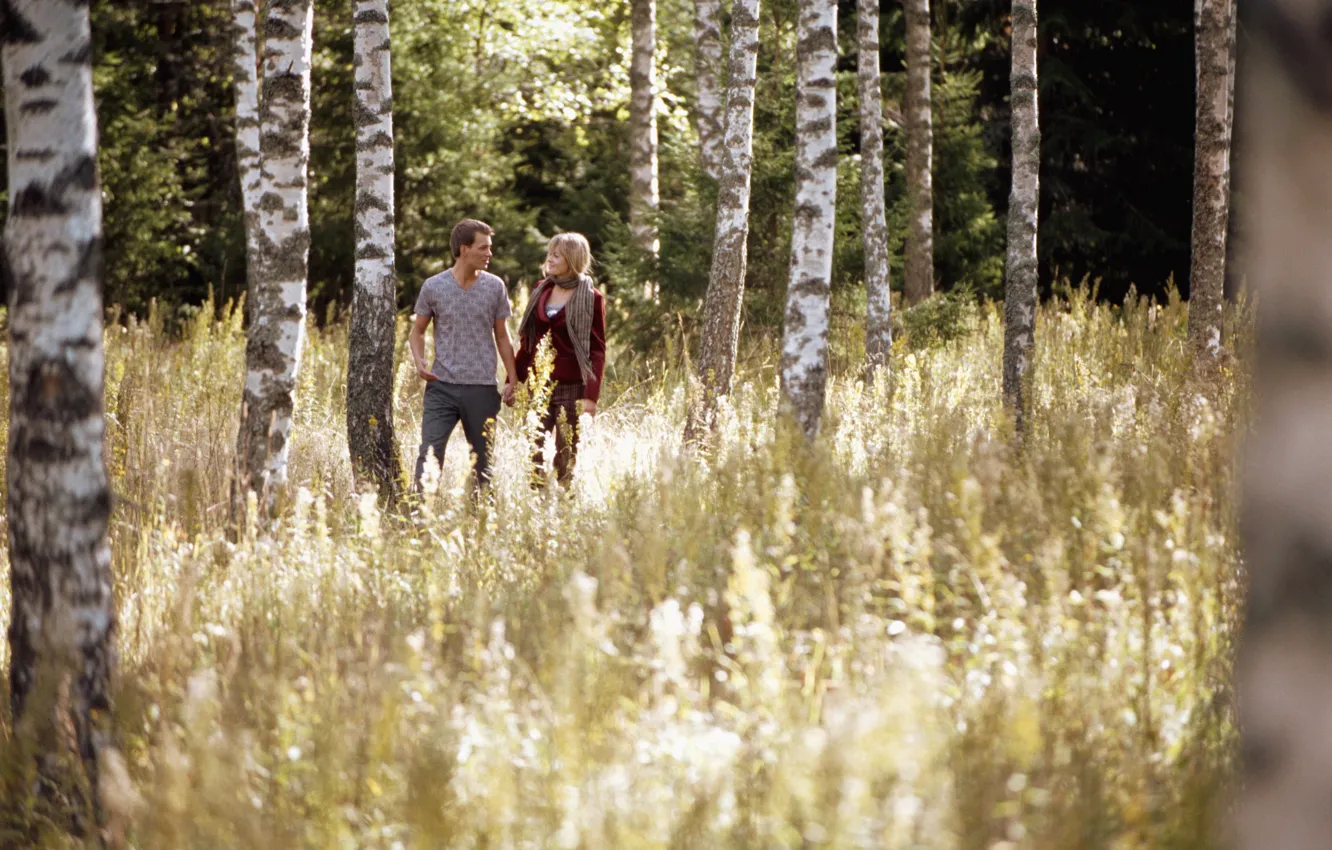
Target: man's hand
point(424, 372)
point(508, 393)
point(589, 407)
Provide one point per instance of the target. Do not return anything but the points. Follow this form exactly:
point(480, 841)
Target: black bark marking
point(288, 87)
point(82, 55)
point(89, 267)
point(34, 77)
point(82, 174)
point(1298, 584)
point(365, 116)
point(55, 394)
point(35, 201)
point(40, 106)
point(371, 16)
point(370, 201)
point(14, 28)
point(39, 155)
point(1292, 339)
point(279, 28)
point(279, 145)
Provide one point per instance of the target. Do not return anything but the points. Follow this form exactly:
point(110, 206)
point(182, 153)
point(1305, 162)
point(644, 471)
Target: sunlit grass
point(913, 634)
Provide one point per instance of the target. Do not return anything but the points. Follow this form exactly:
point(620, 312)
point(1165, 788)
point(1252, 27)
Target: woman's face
point(556, 265)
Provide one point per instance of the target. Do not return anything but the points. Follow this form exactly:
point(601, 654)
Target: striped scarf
point(578, 315)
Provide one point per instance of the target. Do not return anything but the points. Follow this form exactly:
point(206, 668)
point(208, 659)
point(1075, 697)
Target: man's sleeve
point(502, 308)
point(424, 306)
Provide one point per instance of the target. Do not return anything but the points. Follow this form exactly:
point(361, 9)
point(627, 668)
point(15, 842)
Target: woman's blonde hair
point(574, 249)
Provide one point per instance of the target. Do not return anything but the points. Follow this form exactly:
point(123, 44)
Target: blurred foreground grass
point(909, 636)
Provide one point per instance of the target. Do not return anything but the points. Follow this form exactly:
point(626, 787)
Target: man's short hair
point(464, 232)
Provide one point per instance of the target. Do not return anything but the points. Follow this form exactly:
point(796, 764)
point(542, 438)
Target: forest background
point(516, 112)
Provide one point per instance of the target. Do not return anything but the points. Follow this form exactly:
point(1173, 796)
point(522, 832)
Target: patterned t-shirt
point(464, 325)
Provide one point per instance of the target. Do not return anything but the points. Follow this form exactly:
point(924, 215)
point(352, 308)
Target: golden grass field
point(908, 635)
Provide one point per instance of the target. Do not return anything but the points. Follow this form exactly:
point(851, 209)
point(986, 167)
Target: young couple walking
point(468, 307)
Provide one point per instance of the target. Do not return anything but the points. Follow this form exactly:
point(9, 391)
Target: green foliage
point(910, 629)
point(944, 318)
point(166, 152)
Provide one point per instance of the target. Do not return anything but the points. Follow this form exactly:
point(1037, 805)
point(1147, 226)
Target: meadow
point(914, 633)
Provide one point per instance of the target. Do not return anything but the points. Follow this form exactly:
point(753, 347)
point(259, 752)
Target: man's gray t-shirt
point(464, 325)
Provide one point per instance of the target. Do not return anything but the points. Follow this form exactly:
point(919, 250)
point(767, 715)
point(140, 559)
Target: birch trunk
point(643, 198)
point(805, 333)
point(1214, 33)
point(370, 433)
point(277, 299)
point(874, 227)
point(244, 70)
point(1020, 292)
point(918, 277)
point(1283, 668)
point(62, 622)
point(707, 71)
point(726, 283)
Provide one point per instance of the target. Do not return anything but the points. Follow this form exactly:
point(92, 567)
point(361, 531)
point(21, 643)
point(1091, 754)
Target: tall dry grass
point(911, 634)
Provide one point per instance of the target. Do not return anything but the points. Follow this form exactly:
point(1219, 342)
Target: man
point(468, 306)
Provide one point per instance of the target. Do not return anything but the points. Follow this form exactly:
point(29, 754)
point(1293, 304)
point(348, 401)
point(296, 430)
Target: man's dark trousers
point(476, 406)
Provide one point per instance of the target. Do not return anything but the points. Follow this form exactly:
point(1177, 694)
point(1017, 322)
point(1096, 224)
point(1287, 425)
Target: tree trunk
point(1214, 34)
point(372, 340)
point(918, 279)
point(244, 69)
point(63, 622)
point(643, 199)
point(874, 228)
point(1283, 668)
point(1020, 292)
point(805, 333)
point(277, 300)
point(726, 283)
point(707, 70)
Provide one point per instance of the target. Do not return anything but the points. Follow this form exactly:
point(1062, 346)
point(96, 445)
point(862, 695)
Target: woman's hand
point(589, 407)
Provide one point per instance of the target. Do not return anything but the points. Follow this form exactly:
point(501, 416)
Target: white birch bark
point(643, 191)
point(726, 282)
point(370, 432)
point(277, 300)
point(874, 227)
point(707, 75)
point(1020, 294)
point(1214, 35)
point(1283, 668)
point(244, 71)
point(918, 271)
point(63, 622)
point(805, 332)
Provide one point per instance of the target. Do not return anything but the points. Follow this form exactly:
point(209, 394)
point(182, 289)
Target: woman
point(566, 306)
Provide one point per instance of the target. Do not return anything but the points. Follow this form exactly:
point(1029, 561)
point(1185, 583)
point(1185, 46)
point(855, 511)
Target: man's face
point(477, 255)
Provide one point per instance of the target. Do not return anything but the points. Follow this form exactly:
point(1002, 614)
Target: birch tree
point(707, 70)
point(1214, 37)
point(370, 433)
point(726, 282)
point(918, 276)
point(805, 332)
point(1023, 210)
point(874, 228)
point(643, 197)
point(1284, 663)
point(276, 297)
point(62, 621)
point(244, 71)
